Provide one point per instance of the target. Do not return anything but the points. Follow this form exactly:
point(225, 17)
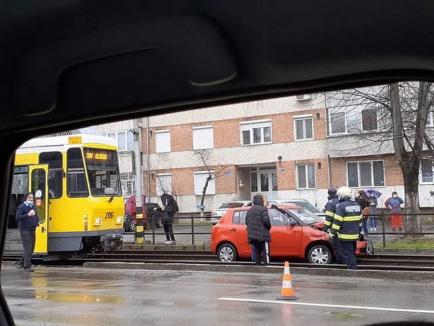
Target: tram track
point(383, 262)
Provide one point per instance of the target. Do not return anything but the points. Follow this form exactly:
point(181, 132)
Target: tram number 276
point(108, 215)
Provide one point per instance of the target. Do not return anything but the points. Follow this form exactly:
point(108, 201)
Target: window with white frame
point(203, 137)
point(337, 123)
point(369, 120)
point(303, 128)
point(163, 183)
point(200, 180)
point(127, 183)
point(253, 133)
point(124, 139)
point(365, 174)
point(306, 176)
point(162, 141)
point(427, 173)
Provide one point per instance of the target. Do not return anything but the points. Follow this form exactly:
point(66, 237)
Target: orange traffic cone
point(287, 292)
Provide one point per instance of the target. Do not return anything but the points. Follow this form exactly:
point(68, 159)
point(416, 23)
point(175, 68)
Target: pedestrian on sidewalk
point(169, 211)
point(373, 203)
point(28, 221)
point(394, 205)
point(258, 228)
point(363, 200)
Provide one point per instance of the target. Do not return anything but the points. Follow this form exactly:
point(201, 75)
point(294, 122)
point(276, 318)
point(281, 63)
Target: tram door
point(39, 187)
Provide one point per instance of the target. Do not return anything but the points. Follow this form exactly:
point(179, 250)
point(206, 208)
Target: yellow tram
point(78, 197)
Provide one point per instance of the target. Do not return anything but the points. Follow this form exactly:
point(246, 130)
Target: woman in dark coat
point(258, 228)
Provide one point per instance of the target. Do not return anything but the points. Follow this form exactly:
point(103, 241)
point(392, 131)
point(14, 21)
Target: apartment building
point(291, 147)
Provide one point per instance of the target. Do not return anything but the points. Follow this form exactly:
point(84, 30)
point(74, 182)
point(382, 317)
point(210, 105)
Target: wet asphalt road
point(83, 296)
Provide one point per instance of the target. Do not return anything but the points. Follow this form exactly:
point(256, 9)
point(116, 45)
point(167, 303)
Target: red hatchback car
point(294, 233)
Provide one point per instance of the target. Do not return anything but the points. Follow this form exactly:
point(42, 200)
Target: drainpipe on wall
point(330, 170)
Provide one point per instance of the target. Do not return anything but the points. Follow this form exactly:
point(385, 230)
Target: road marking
point(309, 304)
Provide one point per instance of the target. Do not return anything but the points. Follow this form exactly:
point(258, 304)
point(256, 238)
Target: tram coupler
point(111, 242)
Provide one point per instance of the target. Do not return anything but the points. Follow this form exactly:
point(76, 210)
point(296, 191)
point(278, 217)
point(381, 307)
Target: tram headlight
point(98, 221)
point(119, 220)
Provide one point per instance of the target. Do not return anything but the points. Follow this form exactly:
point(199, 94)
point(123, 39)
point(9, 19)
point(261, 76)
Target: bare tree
point(402, 111)
point(213, 172)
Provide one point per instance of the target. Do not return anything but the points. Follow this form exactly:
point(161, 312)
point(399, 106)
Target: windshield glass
point(103, 171)
point(231, 205)
point(305, 216)
point(306, 205)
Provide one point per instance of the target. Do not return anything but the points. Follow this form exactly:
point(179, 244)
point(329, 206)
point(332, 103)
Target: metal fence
point(190, 222)
point(387, 221)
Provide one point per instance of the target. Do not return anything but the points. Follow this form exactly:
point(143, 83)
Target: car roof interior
point(71, 63)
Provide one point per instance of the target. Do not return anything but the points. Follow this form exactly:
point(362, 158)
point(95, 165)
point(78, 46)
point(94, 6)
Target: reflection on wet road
point(82, 296)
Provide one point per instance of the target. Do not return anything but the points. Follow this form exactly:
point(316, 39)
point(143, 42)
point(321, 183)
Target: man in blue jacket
point(27, 219)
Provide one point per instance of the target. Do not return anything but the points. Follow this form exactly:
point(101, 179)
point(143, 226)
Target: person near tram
point(27, 219)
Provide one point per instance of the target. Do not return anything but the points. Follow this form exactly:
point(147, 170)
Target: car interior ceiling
point(65, 64)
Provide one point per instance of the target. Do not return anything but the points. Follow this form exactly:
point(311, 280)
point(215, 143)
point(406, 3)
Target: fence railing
point(399, 220)
point(426, 225)
point(193, 222)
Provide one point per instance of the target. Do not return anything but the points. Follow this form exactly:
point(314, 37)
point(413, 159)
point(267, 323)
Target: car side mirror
point(273, 206)
point(290, 222)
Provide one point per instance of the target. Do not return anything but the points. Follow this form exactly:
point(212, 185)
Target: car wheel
point(319, 254)
point(227, 253)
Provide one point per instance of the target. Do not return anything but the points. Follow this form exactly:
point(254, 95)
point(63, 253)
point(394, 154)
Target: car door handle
point(233, 229)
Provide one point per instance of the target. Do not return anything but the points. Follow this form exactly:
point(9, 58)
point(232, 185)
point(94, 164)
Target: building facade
point(286, 148)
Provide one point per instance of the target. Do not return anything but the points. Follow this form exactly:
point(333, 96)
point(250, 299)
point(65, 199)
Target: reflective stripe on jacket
point(347, 220)
point(330, 210)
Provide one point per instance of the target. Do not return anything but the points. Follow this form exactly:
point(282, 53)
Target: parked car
point(219, 212)
point(294, 233)
point(299, 202)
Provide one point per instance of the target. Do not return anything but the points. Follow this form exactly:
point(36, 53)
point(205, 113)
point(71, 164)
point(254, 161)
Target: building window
point(203, 138)
point(164, 183)
point(303, 128)
point(256, 133)
point(127, 184)
point(337, 123)
point(162, 141)
point(427, 171)
point(124, 139)
point(306, 176)
point(369, 120)
point(365, 174)
point(199, 183)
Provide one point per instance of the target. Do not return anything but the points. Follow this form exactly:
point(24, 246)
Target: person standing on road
point(394, 205)
point(347, 225)
point(258, 228)
point(330, 210)
point(169, 211)
point(27, 219)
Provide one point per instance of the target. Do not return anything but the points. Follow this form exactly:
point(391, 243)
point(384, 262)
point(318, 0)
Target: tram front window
point(103, 172)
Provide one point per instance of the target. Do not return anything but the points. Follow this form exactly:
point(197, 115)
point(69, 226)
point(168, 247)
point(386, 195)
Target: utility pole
point(137, 125)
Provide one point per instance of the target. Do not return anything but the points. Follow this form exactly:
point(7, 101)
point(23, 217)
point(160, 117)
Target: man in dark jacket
point(27, 219)
point(169, 211)
point(258, 228)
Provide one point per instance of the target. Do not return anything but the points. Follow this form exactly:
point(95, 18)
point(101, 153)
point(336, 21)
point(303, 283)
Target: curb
point(377, 274)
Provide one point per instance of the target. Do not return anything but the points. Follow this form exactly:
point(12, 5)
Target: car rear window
point(239, 217)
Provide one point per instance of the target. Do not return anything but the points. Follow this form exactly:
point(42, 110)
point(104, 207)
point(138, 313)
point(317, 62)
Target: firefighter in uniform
point(330, 209)
point(347, 226)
